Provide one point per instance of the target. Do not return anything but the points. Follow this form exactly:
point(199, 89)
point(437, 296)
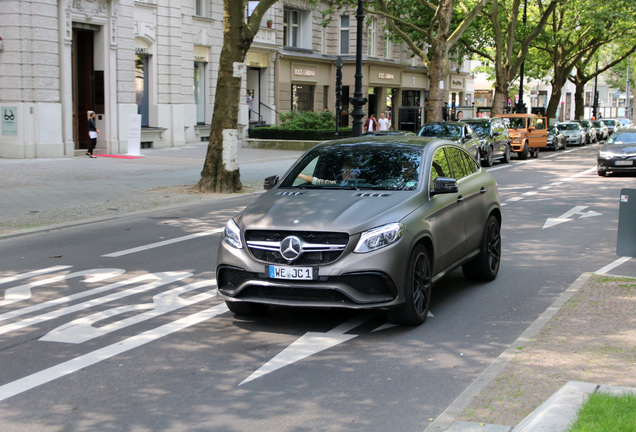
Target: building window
point(411, 98)
point(142, 86)
point(344, 34)
point(302, 97)
point(199, 91)
point(291, 28)
point(388, 46)
point(201, 8)
point(371, 32)
point(325, 97)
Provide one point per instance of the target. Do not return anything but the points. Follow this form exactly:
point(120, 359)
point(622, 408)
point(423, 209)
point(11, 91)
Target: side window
point(440, 167)
point(456, 162)
point(470, 164)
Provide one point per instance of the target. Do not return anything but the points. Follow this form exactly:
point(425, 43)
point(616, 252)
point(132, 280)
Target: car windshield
point(480, 128)
point(584, 123)
point(553, 129)
point(361, 166)
point(441, 130)
point(623, 138)
point(609, 122)
point(568, 126)
point(515, 122)
point(597, 124)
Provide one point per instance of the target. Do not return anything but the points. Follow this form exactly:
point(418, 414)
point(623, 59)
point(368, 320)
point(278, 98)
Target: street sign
point(9, 120)
point(626, 243)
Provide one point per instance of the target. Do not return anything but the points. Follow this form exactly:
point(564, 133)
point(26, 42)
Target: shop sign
point(456, 82)
point(201, 54)
point(9, 120)
point(302, 72)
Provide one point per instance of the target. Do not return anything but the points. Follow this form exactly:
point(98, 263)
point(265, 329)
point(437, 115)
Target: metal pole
point(628, 96)
point(358, 100)
point(521, 107)
point(595, 105)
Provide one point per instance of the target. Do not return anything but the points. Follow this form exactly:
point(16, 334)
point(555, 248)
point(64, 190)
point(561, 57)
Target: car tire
point(488, 158)
point(485, 266)
point(523, 155)
point(246, 308)
point(602, 173)
point(565, 144)
point(417, 290)
point(506, 155)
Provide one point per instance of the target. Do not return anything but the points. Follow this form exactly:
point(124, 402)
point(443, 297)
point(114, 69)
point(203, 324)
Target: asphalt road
point(121, 329)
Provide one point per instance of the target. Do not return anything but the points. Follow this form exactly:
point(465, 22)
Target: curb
point(446, 419)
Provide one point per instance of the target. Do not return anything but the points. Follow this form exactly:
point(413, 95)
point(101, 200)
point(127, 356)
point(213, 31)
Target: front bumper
point(617, 164)
point(354, 281)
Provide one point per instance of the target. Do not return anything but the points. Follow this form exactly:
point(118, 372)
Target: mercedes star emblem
point(291, 248)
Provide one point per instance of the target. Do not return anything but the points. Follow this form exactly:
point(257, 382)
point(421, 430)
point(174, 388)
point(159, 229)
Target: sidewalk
point(43, 192)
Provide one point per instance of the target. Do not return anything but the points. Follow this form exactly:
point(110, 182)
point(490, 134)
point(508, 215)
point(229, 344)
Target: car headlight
point(515, 139)
point(605, 155)
point(232, 235)
point(380, 237)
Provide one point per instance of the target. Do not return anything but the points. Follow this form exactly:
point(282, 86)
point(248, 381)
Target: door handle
point(482, 190)
point(460, 198)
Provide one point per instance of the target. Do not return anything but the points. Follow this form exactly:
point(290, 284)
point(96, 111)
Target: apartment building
point(157, 61)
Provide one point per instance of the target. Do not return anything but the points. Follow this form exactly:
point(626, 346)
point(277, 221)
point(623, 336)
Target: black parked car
point(602, 131)
point(494, 139)
point(556, 139)
point(459, 133)
point(618, 154)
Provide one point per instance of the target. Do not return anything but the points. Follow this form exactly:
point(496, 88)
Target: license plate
point(293, 273)
point(622, 162)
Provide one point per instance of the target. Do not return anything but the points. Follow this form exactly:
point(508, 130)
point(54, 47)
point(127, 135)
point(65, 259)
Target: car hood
point(571, 132)
point(625, 148)
point(348, 211)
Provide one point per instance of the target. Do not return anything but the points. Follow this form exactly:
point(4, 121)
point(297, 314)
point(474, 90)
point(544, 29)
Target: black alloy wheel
point(417, 290)
point(485, 266)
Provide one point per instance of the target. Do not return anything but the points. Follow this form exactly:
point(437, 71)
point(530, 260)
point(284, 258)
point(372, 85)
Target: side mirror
point(444, 185)
point(270, 182)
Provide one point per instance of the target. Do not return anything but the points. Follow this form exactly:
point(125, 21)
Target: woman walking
point(93, 132)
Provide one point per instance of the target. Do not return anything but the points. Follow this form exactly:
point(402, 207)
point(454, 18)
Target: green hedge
point(281, 133)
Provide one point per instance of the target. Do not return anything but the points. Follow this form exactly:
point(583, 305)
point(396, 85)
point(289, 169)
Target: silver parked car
point(574, 133)
point(361, 223)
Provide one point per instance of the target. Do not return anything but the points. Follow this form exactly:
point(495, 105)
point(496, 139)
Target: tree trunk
point(579, 99)
point(220, 170)
point(436, 72)
point(500, 99)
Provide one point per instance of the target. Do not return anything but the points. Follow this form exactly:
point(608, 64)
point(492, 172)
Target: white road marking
point(311, 343)
point(43, 377)
point(14, 278)
point(161, 279)
point(565, 217)
point(162, 243)
point(23, 292)
point(83, 329)
point(613, 265)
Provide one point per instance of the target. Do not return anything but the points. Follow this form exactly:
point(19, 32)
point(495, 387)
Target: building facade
point(156, 61)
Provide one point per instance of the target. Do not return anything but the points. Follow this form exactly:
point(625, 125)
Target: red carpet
point(119, 156)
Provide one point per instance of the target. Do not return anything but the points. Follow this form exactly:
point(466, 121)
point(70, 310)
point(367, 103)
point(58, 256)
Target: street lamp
point(521, 107)
point(358, 100)
point(595, 106)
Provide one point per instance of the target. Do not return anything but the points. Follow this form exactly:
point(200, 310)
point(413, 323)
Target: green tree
point(220, 170)
point(575, 32)
point(498, 37)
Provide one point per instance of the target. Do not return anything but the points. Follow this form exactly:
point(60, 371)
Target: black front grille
point(307, 258)
point(294, 294)
point(372, 287)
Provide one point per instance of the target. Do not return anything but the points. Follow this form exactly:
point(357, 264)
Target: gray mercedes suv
point(363, 223)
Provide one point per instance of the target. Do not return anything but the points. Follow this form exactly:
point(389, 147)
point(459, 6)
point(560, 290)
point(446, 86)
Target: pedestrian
point(460, 115)
point(93, 132)
point(383, 122)
point(371, 124)
point(249, 99)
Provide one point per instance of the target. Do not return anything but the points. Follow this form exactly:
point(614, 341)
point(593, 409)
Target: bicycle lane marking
point(43, 377)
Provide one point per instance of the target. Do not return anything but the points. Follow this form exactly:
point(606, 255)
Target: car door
point(471, 189)
point(445, 217)
point(538, 135)
point(500, 136)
